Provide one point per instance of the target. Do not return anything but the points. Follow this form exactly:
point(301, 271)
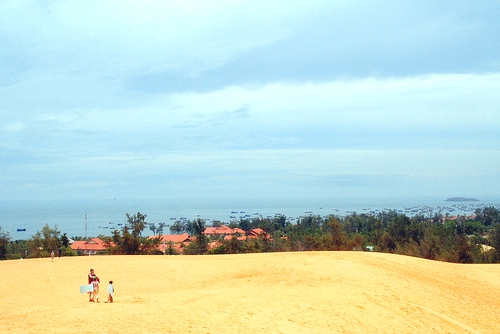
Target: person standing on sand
point(90, 277)
point(52, 254)
point(111, 292)
point(95, 289)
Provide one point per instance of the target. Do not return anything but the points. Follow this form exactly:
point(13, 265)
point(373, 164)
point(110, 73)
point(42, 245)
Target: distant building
point(90, 247)
point(176, 241)
point(228, 233)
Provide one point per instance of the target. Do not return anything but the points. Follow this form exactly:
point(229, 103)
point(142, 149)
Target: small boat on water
point(21, 230)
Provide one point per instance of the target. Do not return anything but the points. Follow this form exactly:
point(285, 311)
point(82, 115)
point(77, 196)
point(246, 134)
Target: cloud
point(441, 111)
point(157, 47)
point(328, 42)
point(239, 96)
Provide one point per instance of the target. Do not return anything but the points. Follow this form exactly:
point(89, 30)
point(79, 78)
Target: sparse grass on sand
point(308, 292)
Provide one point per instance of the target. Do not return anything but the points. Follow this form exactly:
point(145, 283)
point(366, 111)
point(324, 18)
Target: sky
point(248, 99)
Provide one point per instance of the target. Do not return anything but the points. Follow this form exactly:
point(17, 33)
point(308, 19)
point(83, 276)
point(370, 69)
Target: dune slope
point(309, 292)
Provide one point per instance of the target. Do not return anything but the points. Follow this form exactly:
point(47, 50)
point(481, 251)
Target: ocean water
point(92, 218)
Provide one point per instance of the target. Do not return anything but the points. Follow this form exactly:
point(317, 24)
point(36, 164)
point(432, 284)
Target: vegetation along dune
point(303, 292)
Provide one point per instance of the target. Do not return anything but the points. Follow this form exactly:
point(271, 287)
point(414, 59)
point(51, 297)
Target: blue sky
point(258, 99)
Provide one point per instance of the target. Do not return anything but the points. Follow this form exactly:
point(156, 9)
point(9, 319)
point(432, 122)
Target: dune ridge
point(306, 292)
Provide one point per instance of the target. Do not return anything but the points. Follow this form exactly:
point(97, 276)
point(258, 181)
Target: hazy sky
point(263, 99)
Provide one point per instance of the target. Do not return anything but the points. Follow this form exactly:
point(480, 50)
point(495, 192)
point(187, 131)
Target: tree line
point(461, 239)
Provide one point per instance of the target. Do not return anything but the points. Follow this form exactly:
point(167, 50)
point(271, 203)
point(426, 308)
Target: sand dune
point(309, 292)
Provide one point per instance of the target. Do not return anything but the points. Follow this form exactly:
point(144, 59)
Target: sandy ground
point(309, 292)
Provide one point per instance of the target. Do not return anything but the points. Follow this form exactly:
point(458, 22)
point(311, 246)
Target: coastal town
point(175, 243)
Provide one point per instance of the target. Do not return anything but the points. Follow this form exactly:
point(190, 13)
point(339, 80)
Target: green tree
point(131, 241)
point(398, 229)
point(157, 230)
point(200, 244)
point(64, 240)
point(280, 223)
point(245, 225)
point(189, 227)
point(177, 227)
point(4, 242)
point(231, 246)
point(17, 249)
point(43, 242)
point(136, 223)
point(153, 228)
point(339, 237)
point(252, 245)
point(160, 228)
point(429, 243)
point(496, 241)
point(488, 215)
point(387, 243)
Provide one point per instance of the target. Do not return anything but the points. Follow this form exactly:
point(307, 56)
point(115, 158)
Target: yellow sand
point(309, 292)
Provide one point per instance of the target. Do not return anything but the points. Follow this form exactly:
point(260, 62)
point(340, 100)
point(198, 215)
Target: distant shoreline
point(461, 199)
point(80, 218)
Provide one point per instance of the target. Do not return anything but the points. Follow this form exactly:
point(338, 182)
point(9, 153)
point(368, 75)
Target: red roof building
point(218, 230)
point(91, 246)
point(258, 233)
point(176, 241)
point(229, 233)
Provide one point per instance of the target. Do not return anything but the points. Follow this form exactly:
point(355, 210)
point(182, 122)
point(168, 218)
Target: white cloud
point(431, 105)
point(237, 96)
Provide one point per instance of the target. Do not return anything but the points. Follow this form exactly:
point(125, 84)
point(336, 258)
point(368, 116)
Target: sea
point(21, 219)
